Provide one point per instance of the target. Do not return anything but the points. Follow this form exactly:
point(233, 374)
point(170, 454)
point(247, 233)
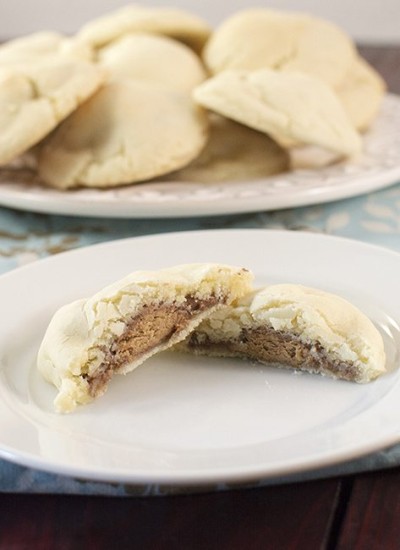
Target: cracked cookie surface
point(129, 131)
point(127, 322)
point(34, 99)
point(297, 327)
point(295, 109)
point(286, 41)
point(176, 23)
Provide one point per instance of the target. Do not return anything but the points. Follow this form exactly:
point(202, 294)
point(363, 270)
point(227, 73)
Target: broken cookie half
point(88, 341)
point(297, 327)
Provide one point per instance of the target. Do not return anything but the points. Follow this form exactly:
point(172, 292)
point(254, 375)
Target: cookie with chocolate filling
point(121, 326)
point(297, 327)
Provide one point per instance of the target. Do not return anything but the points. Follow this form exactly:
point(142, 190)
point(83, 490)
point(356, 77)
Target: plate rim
point(71, 203)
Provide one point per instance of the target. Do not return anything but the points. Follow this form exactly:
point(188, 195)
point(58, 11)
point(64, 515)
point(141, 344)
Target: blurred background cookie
point(42, 45)
point(154, 58)
point(234, 153)
point(292, 108)
point(35, 98)
point(293, 89)
point(286, 41)
point(129, 131)
point(176, 23)
point(361, 93)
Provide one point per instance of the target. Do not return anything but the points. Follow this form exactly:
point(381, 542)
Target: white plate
point(181, 419)
point(378, 167)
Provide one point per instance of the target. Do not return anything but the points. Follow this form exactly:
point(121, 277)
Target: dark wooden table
point(351, 513)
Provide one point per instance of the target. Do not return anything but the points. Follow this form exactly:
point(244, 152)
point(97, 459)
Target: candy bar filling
point(267, 345)
point(153, 326)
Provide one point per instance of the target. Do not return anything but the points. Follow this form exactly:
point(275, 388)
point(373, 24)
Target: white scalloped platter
point(378, 167)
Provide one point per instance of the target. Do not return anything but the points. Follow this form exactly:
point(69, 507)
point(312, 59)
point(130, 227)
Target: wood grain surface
point(372, 520)
point(293, 516)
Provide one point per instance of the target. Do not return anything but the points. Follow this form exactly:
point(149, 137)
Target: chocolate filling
point(152, 327)
point(266, 345)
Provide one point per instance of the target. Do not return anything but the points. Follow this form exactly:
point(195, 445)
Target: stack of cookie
point(153, 92)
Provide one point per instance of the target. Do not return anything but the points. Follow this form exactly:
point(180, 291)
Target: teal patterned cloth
point(25, 237)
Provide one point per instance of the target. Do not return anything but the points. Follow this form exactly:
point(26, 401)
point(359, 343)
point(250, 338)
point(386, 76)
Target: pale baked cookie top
point(41, 45)
point(287, 41)
point(35, 98)
point(361, 93)
point(153, 58)
point(176, 23)
point(293, 108)
point(129, 131)
point(234, 152)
